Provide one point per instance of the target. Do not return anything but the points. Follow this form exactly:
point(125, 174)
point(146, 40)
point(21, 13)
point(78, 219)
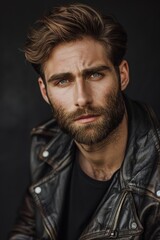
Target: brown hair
point(69, 23)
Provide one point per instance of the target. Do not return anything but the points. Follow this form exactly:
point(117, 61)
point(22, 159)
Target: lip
point(87, 118)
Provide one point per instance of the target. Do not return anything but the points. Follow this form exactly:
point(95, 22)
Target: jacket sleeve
point(24, 228)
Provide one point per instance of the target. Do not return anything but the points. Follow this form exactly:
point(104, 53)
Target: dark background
point(21, 105)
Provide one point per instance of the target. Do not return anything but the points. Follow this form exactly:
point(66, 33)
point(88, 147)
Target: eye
point(96, 76)
point(63, 82)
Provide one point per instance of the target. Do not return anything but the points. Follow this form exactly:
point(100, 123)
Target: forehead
point(76, 56)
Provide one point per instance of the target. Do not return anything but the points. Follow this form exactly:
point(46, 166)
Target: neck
point(101, 160)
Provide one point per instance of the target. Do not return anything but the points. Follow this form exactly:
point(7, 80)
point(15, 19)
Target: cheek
point(60, 98)
point(102, 90)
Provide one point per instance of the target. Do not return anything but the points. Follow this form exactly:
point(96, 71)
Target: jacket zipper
point(113, 233)
point(119, 209)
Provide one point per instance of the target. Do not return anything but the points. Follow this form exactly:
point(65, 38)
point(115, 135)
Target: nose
point(82, 94)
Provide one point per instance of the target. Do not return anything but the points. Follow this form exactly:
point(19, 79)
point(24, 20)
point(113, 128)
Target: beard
point(111, 115)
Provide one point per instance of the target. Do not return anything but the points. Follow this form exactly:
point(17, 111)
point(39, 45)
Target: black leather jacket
point(130, 208)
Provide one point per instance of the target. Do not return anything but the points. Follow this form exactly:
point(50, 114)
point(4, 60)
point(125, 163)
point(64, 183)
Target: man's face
point(83, 89)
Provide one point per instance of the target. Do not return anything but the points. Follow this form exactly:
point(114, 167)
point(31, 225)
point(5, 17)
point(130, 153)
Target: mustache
point(84, 111)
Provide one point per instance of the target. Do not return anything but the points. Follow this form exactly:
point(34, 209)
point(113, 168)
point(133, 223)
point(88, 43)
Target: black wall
point(21, 105)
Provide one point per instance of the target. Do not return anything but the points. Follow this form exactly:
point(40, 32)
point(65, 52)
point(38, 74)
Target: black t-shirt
point(83, 197)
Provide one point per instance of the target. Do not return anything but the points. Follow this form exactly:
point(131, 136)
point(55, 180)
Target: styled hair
point(70, 23)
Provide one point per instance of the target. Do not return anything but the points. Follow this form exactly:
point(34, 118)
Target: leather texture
point(130, 209)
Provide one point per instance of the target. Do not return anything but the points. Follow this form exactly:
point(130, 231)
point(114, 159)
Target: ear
point(43, 90)
point(124, 74)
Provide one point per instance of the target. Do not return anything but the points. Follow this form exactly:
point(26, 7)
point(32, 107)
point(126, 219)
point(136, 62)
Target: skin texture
point(84, 90)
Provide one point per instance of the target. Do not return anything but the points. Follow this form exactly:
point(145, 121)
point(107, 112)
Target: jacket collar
point(59, 150)
point(143, 147)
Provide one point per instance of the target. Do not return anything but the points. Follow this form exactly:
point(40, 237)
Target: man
point(96, 164)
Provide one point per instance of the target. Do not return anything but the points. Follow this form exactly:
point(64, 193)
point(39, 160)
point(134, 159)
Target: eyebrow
point(89, 71)
point(85, 73)
point(59, 76)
